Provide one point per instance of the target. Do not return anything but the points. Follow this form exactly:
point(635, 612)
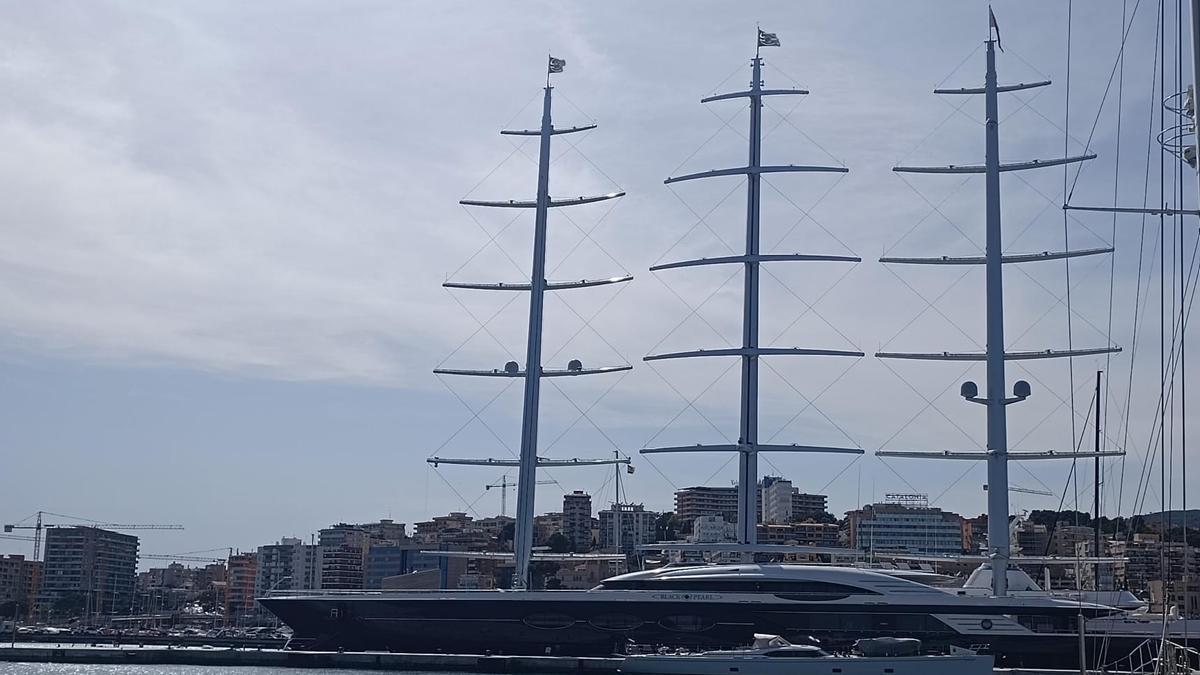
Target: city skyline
point(222, 270)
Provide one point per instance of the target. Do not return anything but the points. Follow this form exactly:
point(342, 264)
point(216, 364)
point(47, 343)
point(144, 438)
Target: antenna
point(748, 446)
point(997, 455)
point(533, 372)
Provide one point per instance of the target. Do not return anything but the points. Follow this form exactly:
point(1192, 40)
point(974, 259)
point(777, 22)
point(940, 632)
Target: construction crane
point(504, 485)
point(1025, 490)
point(181, 557)
point(1030, 491)
point(39, 525)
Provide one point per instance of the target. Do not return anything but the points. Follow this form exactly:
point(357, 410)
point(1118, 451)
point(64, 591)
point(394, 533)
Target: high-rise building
point(545, 526)
point(700, 500)
point(624, 527)
point(776, 496)
point(577, 520)
point(711, 529)
point(805, 505)
point(803, 534)
point(95, 567)
point(20, 580)
point(389, 560)
point(906, 524)
point(1065, 538)
point(430, 531)
point(341, 568)
point(343, 556)
point(691, 502)
point(1147, 555)
point(1031, 538)
point(385, 530)
point(289, 565)
point(241, 574)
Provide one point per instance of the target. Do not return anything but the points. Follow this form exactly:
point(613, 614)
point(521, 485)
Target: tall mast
point(527, 473)
point(996, 400)
point(997, 415)
point(1096, 552)
point(528, 461)
point(747, 445)
point(747, 527)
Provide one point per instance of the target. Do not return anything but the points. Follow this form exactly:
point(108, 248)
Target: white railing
point(1156, 657)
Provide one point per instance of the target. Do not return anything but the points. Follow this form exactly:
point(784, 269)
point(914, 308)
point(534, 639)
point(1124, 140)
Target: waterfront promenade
point(211, 656)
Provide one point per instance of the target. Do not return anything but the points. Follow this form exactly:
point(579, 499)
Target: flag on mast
point(557, 65)
point(767, 39)
point(992, 25)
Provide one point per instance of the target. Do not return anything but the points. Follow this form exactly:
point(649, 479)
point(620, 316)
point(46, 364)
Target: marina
point(133, 660)
point(760, 576)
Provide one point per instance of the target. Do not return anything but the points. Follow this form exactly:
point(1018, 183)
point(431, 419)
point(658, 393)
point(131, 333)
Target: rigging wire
point(1067, 247)
point(1162, 266)
point(1176, 249)
point(1104, 97)
point(1112, 272)
point(1137, 297)
point(1146, 471)
point(1182, 121)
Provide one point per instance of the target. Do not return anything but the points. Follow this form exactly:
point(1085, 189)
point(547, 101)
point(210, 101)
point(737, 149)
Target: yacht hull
point(579, 623)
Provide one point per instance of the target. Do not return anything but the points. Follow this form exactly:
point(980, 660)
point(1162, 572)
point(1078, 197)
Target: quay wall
point(301, 659)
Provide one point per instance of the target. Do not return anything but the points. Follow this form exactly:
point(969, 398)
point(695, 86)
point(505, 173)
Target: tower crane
point(39, 525)
point(503, 484)
point(1030, 491)
point(179, 558)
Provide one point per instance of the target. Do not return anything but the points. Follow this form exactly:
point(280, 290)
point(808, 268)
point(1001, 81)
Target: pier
point(279, 658)
point(156, 655)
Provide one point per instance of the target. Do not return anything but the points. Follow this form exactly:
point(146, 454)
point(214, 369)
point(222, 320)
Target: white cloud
point(270, 190)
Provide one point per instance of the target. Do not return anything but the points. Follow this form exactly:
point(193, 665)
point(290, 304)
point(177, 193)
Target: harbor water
point(135, 669)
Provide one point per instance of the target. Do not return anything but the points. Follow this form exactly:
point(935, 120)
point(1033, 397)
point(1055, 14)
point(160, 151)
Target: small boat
point(773, 655)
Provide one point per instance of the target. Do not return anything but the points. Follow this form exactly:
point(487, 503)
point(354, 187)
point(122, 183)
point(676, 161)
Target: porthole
point(686, 623)
point(549, 621)
point(616, 622)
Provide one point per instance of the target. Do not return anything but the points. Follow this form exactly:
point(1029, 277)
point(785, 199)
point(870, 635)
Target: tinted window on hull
point(549, 621)
point(618, 622)
point(796, 654)
point(686, 623)
point(796, 588)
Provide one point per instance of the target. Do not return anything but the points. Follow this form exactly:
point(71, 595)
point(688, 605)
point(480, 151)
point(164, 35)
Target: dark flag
point(994, 26)
point(557, 65)
point(767, 39)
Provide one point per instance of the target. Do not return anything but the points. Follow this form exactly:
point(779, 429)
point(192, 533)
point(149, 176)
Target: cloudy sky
point(226, 227)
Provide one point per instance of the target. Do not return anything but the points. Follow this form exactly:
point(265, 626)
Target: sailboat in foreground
point(691, 607)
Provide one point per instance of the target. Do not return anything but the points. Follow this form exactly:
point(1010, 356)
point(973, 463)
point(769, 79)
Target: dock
point(279, 658)
point(153, 655)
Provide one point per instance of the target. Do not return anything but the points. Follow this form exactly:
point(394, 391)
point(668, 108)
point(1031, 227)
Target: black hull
point(602, 628)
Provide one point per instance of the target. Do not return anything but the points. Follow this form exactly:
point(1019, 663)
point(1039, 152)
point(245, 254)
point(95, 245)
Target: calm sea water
point(85, 669)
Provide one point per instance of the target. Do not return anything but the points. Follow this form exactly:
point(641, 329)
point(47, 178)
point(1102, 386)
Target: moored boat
point(773, 655)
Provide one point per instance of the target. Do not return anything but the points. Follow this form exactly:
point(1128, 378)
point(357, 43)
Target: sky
point(226, 227)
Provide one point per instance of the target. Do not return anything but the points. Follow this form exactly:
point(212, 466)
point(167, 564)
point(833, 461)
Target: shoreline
point(279, 658)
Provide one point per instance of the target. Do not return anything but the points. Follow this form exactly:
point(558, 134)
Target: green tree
point(69, 606)
point(666, 527)
point(822, 517)
point(507, 533)
point(558, 543)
